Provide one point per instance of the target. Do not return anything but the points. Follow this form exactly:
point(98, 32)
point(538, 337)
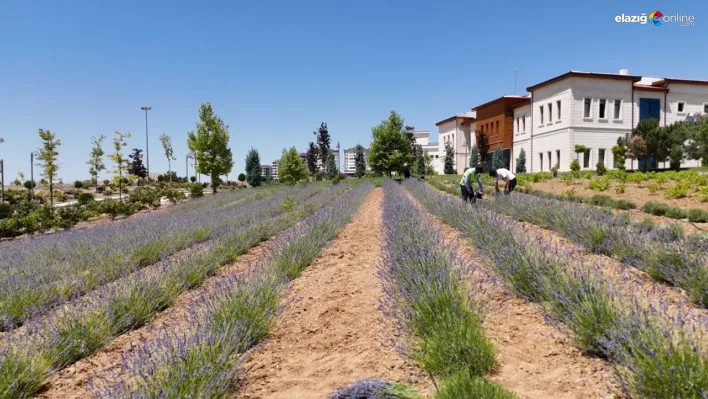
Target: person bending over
point(506, 176)
point(471, 175)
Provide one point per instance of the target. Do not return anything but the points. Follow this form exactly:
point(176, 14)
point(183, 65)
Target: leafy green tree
point(323, 143)
point(241, 178)
point(697, 140)
point(210, 144)
point(521, 162)
point(636, 148)
point(291, 169)
point(253, 168)
point(166, 142)
point(429, 170)
point(95, 161)
point(651, 135)
point(193, 179)
point(620, 151)
point(474, 156)
point(390, 149)
point(331, 167)
point(120, 162)
point(48, 154)
point(498, 158)
point(483, 147)
point(449, 165)
point(579, 149)
point(311, 158)
point(676, 155)
point(420, 160)
point(359, 161)
point(137, 168)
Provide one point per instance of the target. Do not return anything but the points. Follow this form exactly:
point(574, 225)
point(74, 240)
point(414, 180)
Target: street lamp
point(2, 181)
point(338, 169)
point(32, 173)
point(147, 149)
point(186, 164)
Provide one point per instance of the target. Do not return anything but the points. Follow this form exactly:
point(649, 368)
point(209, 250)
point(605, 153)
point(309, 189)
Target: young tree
point(48, 154)
point(311, 158)
point(449, 168)
point(137, 168)
point(675, 156)
point(390, 149)
point(619, 151)
point(653, 138)
point(636, 149)
point(498, 158)
point(210, 144)
point(521, 162)
point(291, 169)
point(242, 178)
point(474, 156)
point(483, 147)
point(253, 168)
point(429, 170)
point(120, 162)
point(579, 148)
point(331, 167)
point(323, 143)
point(20, 178)
point(166, 142)
point(95, 161)
point(419, 160)
point(359, 161)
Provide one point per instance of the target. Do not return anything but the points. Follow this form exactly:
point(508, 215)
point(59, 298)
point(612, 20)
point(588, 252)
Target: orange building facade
point(496, 120)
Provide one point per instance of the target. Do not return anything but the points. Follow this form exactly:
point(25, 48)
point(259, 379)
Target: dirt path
point(535, 359)
point(331, 331)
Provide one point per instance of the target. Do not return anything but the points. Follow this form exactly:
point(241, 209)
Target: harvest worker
point(468, 177)
point(506, 175)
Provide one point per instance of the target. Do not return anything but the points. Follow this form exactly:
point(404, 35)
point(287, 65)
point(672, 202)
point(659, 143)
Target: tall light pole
point(338, 169)
point(32, 174)
point(147, 149)
point(2, 182)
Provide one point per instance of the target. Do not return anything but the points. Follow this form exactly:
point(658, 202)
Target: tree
point(95, 161)
point(242, 178)
point(323, 143)
point(675, 156)
point(210, 144)
point(429, 170)
point(390, 149)
point(474, 156)
point(579, 148)
point(359, 161)
point(137, 168)
point(521, 162)
point(483, 147)
point(636, 148)
point(498, 158)
point(166, 142)
point(311, 158)
point(449, 167)
point(253, 168)
point(193, 179)
point(48, 154)
point(651, 134)
point(29, 184)
point(20, 178)
point(420, 160)
point(291, 169)
point(120, 162)
point(331, 167)
point(619, 151)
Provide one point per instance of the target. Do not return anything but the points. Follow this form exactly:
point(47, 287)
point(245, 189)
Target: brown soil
point(635, 192)
point(331, 332)
point(534, 359)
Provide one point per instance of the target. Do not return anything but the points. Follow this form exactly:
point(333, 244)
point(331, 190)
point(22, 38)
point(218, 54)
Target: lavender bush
point(204, 360)
point(653, 353)
point(41, 272)
point(374, 389)
point(424, 295)
point(85, 326)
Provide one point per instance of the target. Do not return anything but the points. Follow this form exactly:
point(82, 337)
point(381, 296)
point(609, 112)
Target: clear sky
point(273, 70)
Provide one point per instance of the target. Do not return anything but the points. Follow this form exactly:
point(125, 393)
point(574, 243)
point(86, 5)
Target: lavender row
point(39, 280)
point(203, 361)
point(423, 293)
point(654, 354)
point(662, 252)
point(85, 327)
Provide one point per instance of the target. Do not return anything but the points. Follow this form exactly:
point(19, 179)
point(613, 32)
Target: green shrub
point(600, 168)
point(625, 204)
point(654, 186)
point(145, 196)
point(554, 171)
point(646, 224)
point(464, 385)
point(621, 188)
point(114, 208)
point(85, 198)
point(568, 179)
point(78, 184)
point(655, 208)
point(575, 165)
point(171, 194)
point(69, 216)
point(601, 200)
point(676, 213)
point(196, 190)
point(107, 192)
point(637, 177)
point(601, 184)
point(5, 211)
point(679, 190)
point(702, 194)
point(697, 215)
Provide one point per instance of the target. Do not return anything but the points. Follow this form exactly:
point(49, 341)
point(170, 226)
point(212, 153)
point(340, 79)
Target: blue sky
point(273, 70)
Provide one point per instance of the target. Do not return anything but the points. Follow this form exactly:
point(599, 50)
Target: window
point(558, 158)
point(540, 156)
point(603, 105)
point(541, 110)
point(549, 160)
point(550, 113)
point(497, 128)
point(705, 108)
point(523, 122)
point(601, 156)
point(586, 108)
point(681, 106)
point(558, 109)
point(618, 109)
point(586, 158)
point(517, 125)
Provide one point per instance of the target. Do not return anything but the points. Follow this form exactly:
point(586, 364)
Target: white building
point(422, 137)
point(594, 110)
point(274, 169)
point(349, 167)
point(456, 130)
point(267, 171)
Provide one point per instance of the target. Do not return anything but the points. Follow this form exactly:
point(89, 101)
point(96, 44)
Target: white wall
point(597, 89)
point(695, 96)
point(551, 94)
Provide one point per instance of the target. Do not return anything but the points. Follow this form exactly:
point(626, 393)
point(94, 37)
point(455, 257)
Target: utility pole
point(338, 169)
point(32, 175)
point(147, 149)
point(2, 182)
